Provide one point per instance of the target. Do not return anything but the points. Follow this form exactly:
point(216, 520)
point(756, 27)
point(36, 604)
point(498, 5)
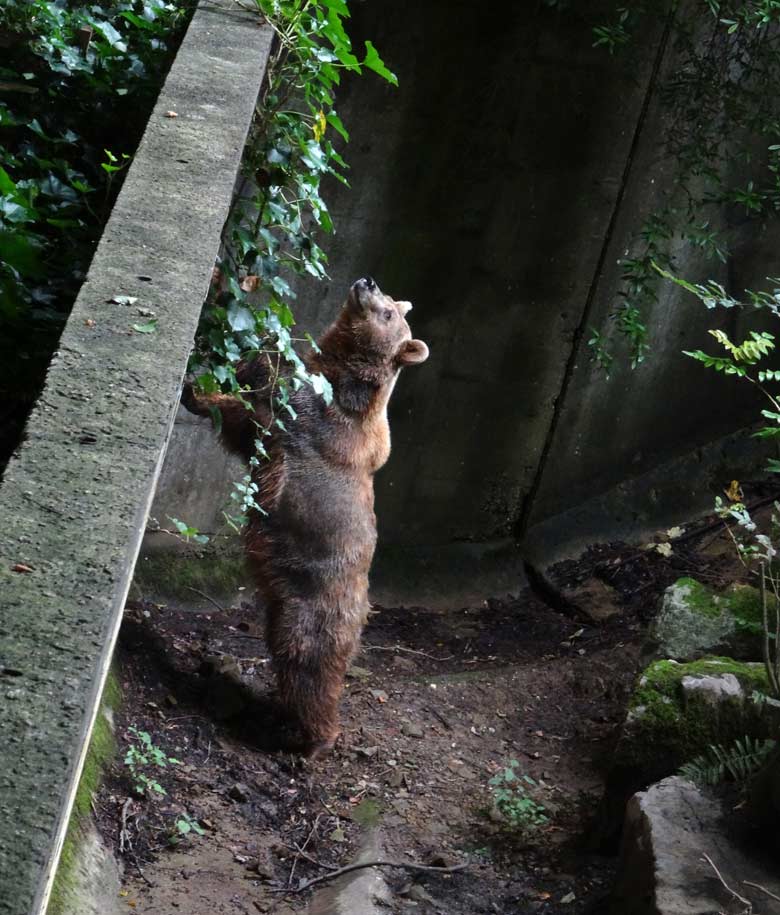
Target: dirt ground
point(436, 704)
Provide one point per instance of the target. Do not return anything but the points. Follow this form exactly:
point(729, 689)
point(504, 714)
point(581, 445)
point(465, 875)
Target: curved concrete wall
point(497, 188)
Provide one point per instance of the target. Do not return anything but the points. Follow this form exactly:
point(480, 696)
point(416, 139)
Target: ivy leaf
point(374, 62)
point(149, 328)
point(322, 386)
point(240, 317)
point(335, 122)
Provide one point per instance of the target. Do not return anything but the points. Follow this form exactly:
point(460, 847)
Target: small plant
point(142, 759)
point(188, 532)
point(183, 826)
point(510, 798)
point(738, 761)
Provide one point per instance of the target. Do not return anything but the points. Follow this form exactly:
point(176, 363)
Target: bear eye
point(387, 314)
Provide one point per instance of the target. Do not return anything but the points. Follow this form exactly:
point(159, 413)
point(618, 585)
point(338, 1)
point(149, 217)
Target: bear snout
point(362, 292)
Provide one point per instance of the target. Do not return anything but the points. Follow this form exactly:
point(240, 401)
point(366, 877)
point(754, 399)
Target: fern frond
point(738, 761)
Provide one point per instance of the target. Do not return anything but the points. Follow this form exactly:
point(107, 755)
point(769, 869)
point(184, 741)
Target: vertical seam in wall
point(521, 525)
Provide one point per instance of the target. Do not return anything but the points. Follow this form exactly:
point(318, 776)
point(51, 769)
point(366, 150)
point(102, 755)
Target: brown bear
point(311, 547)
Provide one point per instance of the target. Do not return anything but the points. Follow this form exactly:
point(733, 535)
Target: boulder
point(678, 710)
point(695, 621)
point(663, 870)
point(675, 713)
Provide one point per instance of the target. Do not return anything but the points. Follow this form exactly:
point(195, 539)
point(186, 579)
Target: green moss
point(699, 597)
point(663, 727)
point(367, 813)
point(175, 574)
point(101, 750)
point(744, 604)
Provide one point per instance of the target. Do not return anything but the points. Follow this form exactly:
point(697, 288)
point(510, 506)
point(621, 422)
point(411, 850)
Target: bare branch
point(359, 866)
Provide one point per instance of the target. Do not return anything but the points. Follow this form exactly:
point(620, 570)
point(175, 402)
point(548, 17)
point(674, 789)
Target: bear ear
point(405, 307)
point(412, 352)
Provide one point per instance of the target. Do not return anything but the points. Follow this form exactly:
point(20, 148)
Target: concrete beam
point(75, 497)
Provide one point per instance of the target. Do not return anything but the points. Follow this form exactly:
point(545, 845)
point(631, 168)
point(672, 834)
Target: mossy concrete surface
point(190, 577)
point(87, 880)
point(75, 497)
point(670, 720)
point(694, 621)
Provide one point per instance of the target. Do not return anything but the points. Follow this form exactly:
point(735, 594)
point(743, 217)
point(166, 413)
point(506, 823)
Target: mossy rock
point(678, 710)
point(695, 621)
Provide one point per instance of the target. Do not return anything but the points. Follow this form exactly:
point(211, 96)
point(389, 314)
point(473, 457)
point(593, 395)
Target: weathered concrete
point(499, 198)
point(485, 202)
point(75, 497)
point(196, 481)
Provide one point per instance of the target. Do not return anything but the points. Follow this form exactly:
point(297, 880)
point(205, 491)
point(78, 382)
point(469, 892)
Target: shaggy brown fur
point(311, 552)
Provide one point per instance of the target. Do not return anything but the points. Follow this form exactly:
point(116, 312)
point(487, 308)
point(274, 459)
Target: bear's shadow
point(250, 714)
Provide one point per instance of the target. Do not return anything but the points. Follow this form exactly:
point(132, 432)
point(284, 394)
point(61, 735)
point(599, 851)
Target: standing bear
point(311, 547)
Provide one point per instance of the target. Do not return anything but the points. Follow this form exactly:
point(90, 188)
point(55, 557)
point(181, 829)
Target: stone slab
point(75, 496)
point(669, 829)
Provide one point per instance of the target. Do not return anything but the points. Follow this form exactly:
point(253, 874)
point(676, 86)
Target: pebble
point(239, 792)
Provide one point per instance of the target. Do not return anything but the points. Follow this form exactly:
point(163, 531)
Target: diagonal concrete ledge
point(74, 499)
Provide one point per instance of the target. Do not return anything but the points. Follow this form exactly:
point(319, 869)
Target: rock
point(420, 894)
point(239, 792)
point(268, 809)
point(263, 869)
point(595, 599)
point(359, 673)
point(668, 830)
point(411, 729)
point(694, 621)
point(678, 710)
point(712, 689)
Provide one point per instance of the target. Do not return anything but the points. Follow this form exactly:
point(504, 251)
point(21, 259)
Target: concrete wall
point(75, 496)
point(497, 188)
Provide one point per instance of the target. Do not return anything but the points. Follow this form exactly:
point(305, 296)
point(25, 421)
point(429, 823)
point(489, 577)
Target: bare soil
point(436, 704)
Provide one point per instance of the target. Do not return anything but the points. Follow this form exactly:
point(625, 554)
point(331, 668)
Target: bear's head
point(378, 326)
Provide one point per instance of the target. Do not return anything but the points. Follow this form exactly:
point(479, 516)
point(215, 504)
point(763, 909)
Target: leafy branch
point(276, 219)
point(721, 103)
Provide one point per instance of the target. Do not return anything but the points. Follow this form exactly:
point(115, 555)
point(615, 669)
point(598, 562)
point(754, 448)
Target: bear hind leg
point(311, 689)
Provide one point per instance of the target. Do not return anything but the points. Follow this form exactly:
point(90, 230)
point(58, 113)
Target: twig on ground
point(745, 902)
point(125, 842)
point(423, 654)
point(140, 870)
point(404, 865)
point(302, 849)
point(441, 717)
point(763, 889)
point(204, 595)
point(306, 856)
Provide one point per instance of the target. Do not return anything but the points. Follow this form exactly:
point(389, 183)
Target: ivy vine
point(721, 141)
point(276, 219)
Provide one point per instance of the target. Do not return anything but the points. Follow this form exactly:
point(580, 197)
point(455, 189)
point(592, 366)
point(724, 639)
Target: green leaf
point(240, 318)
point(22, 252)
point(335, 122)
point(149, 327)
point(374, 62)
point(7, 186)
